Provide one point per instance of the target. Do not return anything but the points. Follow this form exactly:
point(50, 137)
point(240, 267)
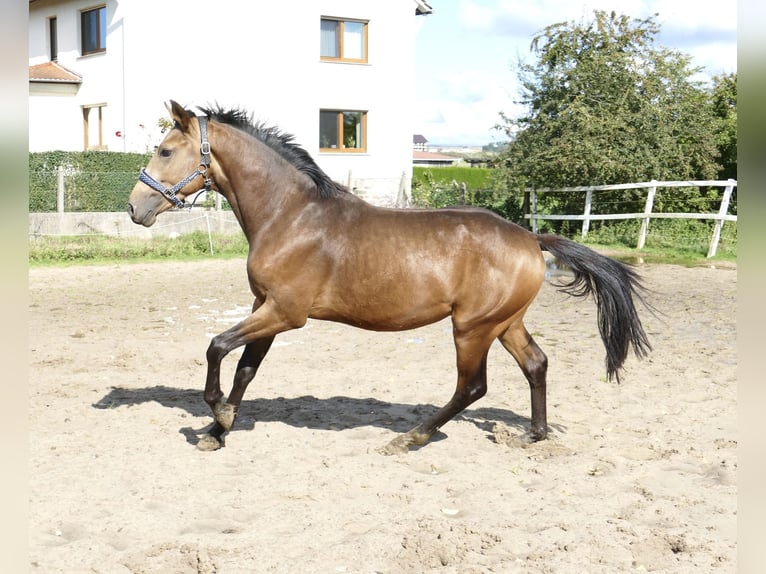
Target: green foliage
point(622, 233)
point(605, 105)
point(93, 180)
point(473, 177)
point(457, 185)
point(724, 106)
point(693, 234)
point(100, 249)
point(689, 238)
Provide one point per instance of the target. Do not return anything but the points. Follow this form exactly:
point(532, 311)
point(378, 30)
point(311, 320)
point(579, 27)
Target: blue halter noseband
point(204, 163)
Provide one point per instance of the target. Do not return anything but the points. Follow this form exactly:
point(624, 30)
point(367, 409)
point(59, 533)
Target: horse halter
point(204, 163)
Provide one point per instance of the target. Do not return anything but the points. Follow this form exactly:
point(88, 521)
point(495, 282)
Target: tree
point(603, 104)
point(724, 104)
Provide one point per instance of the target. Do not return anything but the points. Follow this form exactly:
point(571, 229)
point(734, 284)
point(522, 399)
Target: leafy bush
point(93, 180)
point(456, 185)
point(473, 177)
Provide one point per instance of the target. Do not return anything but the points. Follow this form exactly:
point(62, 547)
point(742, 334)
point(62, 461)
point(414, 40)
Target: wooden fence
point(651, 187)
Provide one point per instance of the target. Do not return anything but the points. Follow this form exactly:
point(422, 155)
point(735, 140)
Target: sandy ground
point(639, 476)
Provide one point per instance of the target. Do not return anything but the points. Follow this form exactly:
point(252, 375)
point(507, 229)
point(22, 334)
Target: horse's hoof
point(402, 443)
point(536, 435)
point(530, 437)
point(224, 415)
point(502, 434)
point(209, 443)
point(397, 446)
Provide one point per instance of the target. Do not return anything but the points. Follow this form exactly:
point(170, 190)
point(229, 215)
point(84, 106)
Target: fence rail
point(651, 186)
point(58, 195)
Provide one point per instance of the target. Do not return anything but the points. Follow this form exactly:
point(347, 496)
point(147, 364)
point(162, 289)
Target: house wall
point(261, 56)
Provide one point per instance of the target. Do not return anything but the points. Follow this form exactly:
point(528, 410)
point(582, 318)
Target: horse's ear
point(179, 115)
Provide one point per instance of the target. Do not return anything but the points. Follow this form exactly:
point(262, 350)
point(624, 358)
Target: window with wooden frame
point(343, 40)
point(342, 131)
point(93, 126)
point(93, 31)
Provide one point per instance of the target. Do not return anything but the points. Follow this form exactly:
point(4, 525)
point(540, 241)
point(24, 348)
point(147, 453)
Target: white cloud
point(466, 92)
point(467, 87)
point(690, 15)
point(467, 108)
point(704, 29)
point(515, 16)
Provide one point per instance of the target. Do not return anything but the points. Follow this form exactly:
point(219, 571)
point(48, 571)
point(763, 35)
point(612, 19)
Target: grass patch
point(682, 241)
point(92, 249)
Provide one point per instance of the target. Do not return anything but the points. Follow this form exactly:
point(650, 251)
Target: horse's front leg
point(256, 332)
point(226, 412)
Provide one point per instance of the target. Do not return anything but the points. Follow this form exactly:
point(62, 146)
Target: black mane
point(282, 143)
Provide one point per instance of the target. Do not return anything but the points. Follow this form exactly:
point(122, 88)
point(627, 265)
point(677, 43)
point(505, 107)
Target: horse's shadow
point(333, 413)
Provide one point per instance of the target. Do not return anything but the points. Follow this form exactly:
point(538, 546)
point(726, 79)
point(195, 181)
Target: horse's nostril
point(130, 209)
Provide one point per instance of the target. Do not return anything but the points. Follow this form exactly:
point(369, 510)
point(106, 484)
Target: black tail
point(614, 286)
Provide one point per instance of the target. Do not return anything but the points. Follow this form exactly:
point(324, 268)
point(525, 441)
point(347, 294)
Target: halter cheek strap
point(204, 163)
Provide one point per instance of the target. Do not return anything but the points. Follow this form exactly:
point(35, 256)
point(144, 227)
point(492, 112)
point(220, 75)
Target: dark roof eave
point(52, 81)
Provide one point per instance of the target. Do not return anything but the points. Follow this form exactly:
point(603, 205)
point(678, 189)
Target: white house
point(337, 74)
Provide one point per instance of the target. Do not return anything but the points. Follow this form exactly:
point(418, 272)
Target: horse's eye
point(165, 152)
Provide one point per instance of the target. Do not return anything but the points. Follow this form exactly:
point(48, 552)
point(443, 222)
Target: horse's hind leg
point(534, 364)
point(224, 413)
point(471, 386)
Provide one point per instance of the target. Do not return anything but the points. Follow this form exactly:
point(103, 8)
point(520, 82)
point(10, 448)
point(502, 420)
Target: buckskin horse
point(318, 251)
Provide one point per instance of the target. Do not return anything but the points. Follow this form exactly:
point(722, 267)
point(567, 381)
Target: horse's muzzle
point(146, 218)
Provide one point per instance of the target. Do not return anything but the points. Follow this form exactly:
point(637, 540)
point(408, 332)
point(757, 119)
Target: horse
point(318, 251)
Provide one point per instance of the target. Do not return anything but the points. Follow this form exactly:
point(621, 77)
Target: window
point(343, 40)
point(342, 131)
point(93, 125)
point(93, 31)
point(53, 40)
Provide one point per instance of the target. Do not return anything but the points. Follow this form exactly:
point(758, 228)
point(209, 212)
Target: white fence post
point(60, 190)
point(647, 212)
point(533, 209)
point(586, 214)
point(719, 222)
point(209, 233)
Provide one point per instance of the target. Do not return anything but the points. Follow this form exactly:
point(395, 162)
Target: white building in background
point(337, 74)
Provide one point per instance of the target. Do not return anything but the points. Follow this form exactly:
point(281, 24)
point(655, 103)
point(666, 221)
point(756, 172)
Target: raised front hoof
point(209, 443)
point(402, 443)
point(224, 414)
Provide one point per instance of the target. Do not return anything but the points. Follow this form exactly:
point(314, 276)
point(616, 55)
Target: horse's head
point(177, 169)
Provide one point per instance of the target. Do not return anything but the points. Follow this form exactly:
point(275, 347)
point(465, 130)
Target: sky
point(466, 51)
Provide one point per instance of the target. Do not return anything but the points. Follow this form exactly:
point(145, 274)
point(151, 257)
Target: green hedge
point(457, 185)
point(93, 180)
point(475, 178)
